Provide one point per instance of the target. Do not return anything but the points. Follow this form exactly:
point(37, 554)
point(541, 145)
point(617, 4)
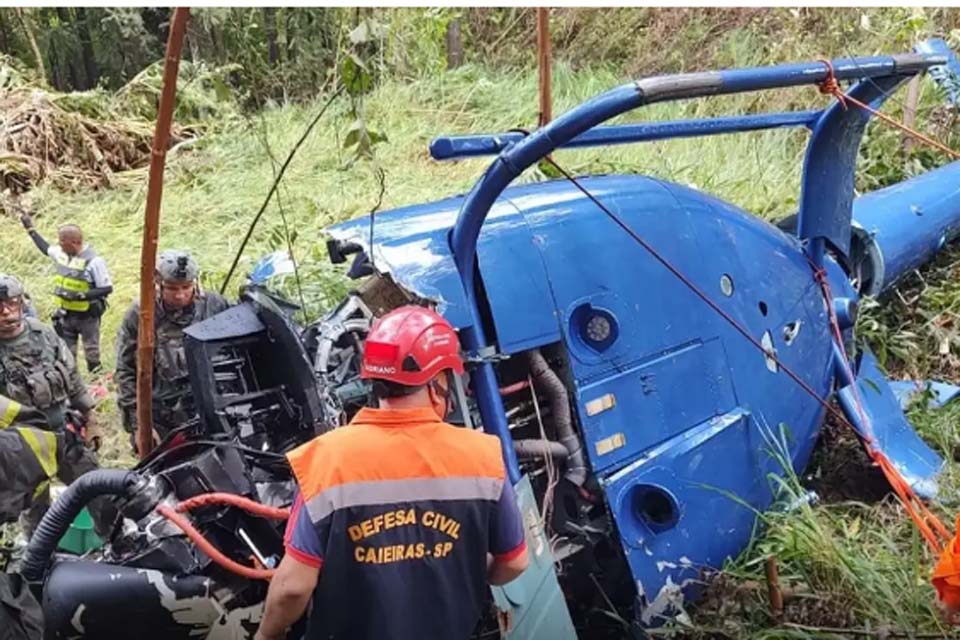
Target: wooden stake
point(454, 44)
point(774, 592)
point(910, 110)
point(151, 228)
point(544, 58)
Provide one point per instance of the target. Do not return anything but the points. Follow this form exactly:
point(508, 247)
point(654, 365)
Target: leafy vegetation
point(853, 561)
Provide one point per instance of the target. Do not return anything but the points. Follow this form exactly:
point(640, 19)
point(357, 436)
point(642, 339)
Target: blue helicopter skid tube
point(903, 226)
point(513, 161)
point(471, 146)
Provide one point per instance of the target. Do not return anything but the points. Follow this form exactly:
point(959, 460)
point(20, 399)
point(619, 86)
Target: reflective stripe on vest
point(9, 410)
point(437, 462)
point(387, 492)
point(44, 447)
point(72, 275)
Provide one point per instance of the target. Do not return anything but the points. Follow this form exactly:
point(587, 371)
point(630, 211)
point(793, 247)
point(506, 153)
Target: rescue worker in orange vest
point(946, 579)
point(401, 519)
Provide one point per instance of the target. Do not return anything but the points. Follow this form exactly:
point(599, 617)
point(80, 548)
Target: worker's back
point(401, 509)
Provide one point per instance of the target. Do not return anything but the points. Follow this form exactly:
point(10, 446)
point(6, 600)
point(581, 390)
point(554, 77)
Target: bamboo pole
point(151, 228)
point(544, 60)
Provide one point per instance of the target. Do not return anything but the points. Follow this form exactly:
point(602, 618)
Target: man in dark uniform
point(409, 517)
point(81, 286)
point(30, 457)
point(39, 376)
point(180, 303)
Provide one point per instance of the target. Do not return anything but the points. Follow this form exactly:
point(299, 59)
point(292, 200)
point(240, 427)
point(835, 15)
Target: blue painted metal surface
point(888, 427)
point(275, 264)
point(903, 226)
point(695, 427)
point(940, 393)
point(947, 75)
point(469, 146)
point(886, 70)
point(826, 192)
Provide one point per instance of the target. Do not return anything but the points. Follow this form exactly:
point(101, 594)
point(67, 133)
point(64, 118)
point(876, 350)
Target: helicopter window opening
point(726, 285)
point(763, 308)
point(656, 508)
point(790, 331)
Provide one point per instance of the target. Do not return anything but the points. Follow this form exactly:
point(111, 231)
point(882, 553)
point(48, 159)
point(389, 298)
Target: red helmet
point(410, 346)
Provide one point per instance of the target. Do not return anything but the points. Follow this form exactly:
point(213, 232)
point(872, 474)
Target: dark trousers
point(74, 461)
point(72, 326)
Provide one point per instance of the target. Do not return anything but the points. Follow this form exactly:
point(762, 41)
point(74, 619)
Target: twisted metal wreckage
point(639, 427)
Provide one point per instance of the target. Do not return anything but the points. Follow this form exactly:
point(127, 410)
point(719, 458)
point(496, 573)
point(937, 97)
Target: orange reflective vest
point(401, 509)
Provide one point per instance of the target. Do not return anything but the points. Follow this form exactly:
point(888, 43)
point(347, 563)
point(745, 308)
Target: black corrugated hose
point(55, 522)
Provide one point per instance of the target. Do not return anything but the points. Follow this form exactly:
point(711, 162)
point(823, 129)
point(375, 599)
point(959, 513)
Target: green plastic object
point(81, 537)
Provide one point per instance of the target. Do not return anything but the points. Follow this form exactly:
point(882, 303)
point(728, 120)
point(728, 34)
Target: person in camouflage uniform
point(40, 383)
point(180, 303)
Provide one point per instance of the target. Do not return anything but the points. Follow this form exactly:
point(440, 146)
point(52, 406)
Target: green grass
point(851, 563)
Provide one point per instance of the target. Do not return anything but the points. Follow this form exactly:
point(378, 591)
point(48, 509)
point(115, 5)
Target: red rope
point(931, 527)
point(831, 87)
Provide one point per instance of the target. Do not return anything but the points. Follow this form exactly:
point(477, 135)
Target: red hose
point(207, 547)
point(248, 505)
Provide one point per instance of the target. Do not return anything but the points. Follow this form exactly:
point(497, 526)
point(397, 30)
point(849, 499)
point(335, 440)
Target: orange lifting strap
point(946, 575)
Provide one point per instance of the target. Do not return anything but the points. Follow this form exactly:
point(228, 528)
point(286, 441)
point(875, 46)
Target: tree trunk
point(86, 48)
point(216, 37)
point(4, 36)
point(28, 30)
point(289, 29)
point(190, 40)
point(56, 73)
point(77, 80)
point(545, 59)
point(454, 44)
point(270, 28)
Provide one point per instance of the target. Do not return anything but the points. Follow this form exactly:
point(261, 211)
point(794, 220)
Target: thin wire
point(552, 478)
point(382, 179)
point(276, 183)
point(283, 217)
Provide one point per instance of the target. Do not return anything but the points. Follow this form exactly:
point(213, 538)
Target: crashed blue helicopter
point(648, 355)
point(593, 289)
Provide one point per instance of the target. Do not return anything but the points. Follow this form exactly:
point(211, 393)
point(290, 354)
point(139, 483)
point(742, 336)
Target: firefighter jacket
point(28, 457)
point(37, 369)
point(400, 510)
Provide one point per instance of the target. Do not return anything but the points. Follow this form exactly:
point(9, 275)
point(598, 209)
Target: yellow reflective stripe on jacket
point(41, 489)
point(44, 447)
point(9, 413)
point(71, 276)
